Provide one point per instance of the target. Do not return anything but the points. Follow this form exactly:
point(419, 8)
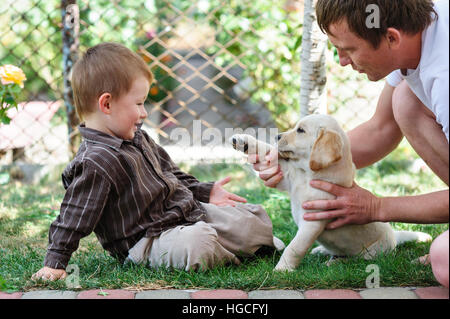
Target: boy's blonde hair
point(106, 67)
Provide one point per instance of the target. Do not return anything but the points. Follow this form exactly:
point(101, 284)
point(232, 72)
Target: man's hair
point(409, 16)
point(106, 67)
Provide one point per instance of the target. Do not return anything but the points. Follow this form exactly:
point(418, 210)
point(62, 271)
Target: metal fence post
point(70, 32)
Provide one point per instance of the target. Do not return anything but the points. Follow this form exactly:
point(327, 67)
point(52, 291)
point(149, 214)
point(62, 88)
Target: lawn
point(27, 211)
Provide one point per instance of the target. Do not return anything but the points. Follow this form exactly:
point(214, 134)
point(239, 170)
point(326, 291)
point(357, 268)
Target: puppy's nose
point(278, 137)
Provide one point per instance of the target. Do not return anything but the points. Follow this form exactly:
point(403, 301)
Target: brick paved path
point(377, 293)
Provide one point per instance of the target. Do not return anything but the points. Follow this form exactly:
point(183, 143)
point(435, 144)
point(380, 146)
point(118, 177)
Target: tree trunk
point(70, 32)
point(313, 97)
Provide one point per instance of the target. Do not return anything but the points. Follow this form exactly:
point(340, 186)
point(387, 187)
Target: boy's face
point(359, 53)
point(127, 111)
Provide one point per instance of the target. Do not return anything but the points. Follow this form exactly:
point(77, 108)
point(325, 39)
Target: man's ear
point(327, 149)
point(393, 38)
point(104, 103)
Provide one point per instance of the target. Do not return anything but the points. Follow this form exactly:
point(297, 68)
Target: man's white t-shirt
point(429, 81)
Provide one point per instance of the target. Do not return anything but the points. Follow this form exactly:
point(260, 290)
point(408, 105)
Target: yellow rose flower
point(12, 74)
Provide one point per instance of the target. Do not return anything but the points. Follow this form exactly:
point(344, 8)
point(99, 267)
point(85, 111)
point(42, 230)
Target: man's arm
point(432, 208)
point(358, 206)
point(376, 138)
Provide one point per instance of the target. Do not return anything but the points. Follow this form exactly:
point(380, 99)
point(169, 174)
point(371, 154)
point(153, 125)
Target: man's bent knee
point(406, 106)
point(439, 256)
point(418, 124)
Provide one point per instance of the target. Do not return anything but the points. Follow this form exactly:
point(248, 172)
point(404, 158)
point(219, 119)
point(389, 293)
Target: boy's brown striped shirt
point(122, 190)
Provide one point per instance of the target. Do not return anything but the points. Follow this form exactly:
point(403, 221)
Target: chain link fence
point(219, 66)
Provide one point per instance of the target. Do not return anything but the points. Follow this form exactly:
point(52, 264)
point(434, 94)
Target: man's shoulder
point(442, 7)
point(435, 38)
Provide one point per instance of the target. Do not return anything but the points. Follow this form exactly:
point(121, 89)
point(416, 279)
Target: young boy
point(125, 188)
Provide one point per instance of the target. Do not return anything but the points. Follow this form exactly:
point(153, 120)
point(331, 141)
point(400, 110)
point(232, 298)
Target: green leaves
point(4, 286)
point(8, 99)
point(297, 44)
point(103, 293)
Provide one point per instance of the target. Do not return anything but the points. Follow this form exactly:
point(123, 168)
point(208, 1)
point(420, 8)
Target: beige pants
point(227, 232)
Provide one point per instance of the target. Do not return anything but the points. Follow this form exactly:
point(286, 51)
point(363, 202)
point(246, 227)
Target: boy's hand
point(220, 197)
point(47, 273)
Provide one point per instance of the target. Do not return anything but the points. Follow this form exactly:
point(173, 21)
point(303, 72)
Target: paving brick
point(111, 294)
point(388, 293)
point(163, 294)
point(49, 294)
point(432, 293)
point(275, 294)
point(14, 295)
point(219, 294)
point(331, 294)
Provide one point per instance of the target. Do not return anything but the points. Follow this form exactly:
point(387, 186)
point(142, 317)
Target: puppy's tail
point(406, 236)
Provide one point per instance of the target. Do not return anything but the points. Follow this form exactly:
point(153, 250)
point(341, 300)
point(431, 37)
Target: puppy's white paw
point(320, 250)
point(278, 243)
point(281, 266)
point(244, 143)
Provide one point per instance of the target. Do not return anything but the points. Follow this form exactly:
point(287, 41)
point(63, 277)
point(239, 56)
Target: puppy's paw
point(320, 250)
point(335, 260)
point(278, 243)
point(283, 267)
point(244, 143)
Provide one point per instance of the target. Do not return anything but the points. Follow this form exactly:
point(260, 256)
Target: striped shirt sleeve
point(80, 212)
point(200, 190)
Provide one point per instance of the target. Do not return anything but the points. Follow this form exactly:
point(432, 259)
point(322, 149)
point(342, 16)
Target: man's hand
point(47, 273)
point(220, 197)
point(353, 205)
point(268, 168)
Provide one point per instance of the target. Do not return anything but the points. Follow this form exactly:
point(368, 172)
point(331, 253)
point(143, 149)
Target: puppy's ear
point(327, 149)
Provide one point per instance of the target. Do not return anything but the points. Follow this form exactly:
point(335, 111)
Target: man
point(409, 46)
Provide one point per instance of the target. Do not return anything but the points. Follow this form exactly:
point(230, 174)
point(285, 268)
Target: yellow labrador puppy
point(318, 148)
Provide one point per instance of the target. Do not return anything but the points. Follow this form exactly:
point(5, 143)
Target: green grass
point(27, 211)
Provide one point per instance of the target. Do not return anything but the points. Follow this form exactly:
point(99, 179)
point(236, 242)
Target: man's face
point(359, 53)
